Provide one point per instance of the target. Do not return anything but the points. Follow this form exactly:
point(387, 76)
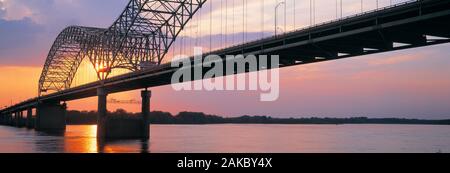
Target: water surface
point(238, 138)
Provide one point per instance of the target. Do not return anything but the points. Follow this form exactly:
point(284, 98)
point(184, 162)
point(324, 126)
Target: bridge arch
point(141, 35)
point(65, 56)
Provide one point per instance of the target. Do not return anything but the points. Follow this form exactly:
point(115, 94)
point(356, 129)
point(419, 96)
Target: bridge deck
point(368, 33)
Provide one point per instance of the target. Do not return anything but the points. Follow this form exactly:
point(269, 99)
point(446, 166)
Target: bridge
point(143, 34)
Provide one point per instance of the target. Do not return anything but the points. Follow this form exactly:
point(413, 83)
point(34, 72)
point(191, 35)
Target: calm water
point(239, 138)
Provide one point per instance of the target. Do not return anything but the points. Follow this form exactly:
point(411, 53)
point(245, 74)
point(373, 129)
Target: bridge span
point(404, 26)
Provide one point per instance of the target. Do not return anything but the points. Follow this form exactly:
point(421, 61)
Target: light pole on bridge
point(276, 14)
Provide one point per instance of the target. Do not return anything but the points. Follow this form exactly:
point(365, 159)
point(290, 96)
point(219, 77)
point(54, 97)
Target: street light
point(276, 13)
point(280, 29)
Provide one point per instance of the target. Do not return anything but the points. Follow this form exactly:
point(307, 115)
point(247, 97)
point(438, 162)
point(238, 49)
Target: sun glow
point(100, 68)
point(87, 72)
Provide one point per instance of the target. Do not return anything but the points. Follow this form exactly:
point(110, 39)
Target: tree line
point(159, 117)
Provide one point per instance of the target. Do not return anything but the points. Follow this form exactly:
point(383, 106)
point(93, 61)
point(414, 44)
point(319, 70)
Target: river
point(237, 138)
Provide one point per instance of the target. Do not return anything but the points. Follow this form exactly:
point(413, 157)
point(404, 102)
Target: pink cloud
point(395, 59)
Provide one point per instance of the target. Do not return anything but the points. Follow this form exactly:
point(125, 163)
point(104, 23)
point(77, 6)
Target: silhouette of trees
point(159, 117)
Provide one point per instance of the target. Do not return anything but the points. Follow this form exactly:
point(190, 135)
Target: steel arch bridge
point(139, 38)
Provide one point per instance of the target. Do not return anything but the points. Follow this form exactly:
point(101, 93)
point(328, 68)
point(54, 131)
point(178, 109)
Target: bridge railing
point(315, 25)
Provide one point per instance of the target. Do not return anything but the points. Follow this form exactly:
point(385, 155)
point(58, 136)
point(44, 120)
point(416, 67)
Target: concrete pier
point(17, 119)
point(2, 119)
point(146, 95)
point(50, 117)
point(30, 121)
point(8, 119)
point(21, 120)
point(102, 113)
point(122, 127)
point(11, 119)
point(131, 127)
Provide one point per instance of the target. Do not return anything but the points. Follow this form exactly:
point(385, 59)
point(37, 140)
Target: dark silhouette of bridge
point(141, 37)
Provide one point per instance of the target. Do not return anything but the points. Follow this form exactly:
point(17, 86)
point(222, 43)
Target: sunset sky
point(411, 83)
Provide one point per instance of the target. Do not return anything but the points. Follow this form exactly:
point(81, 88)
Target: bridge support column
point(102, 113)
point(17, 118)
point(125, 127)
point(2, 119)
point(21, 119)
point(51, 117)
point(7, 118)
point(29, 121)
point(21, 124)
point(146, 95)
point(11, 119)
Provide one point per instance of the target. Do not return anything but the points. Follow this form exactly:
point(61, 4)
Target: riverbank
point(158, 117)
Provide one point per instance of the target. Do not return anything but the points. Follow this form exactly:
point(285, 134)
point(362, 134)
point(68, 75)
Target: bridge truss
point(139, 38)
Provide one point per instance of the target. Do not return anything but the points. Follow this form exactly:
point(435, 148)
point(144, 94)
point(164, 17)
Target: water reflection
point(236, 139)
point(84, 139)
point(81, 139)
point(123, 146)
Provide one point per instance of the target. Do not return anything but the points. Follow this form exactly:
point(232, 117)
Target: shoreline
point(281, 124)
point(200, 118)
